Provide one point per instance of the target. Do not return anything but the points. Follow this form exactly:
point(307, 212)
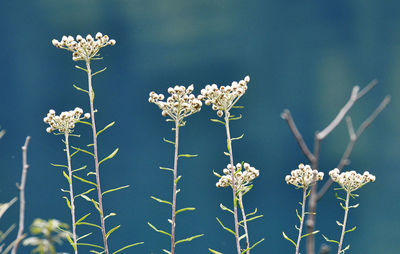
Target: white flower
point(224, 97)
point(242, 178)
point(65, 122)
point(304, 176)
point(84, 49)
point(351, 180)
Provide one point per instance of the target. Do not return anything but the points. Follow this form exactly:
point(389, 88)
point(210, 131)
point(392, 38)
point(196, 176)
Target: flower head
point(304, 176)
point(351, 180)
point(65, 122)
point(180, 104)
point(242, 178)
point(84, 48)
point(223, 98)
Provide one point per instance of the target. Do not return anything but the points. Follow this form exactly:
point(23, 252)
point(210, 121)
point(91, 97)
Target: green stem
point(346, 211)
point(174, 186)
point(96, 159)
point(71, 193)
point(244, 223)
point(235, 212)
point(303, 205)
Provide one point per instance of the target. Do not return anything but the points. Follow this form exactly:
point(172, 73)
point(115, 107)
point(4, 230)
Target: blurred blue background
point(304, 56)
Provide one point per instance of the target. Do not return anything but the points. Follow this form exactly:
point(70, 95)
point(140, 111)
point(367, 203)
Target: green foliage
point(46, 235)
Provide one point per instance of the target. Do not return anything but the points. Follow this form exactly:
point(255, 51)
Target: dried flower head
point(304, 176)
point(179, 105)
point(223, 98)
point(242, 178)
point(351, 180)
point(84, 48)
point(65, 122)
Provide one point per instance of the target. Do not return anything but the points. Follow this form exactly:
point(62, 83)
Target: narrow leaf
point(287, 238)
point(82, 150)
point(91, 245)
point(105, 128)
point(237, 138)
point(214, 251)
point(331, 241)
point(312, 233)
point(109, 156)
point(71, 242)
point(161, 201)
point(81, 219)
point(80, 89)
point(88, 224)
point(188, 155)
point(126, 247)
point(84, 193)
point(254, 245)
point(185, 209)
point(80, 68)
point(112, 230)
point(100, 71)
point(217, 121)
point(350, 230)
point(68, 203)
point(109, 215)
point(177, 179)
point(168, 141)
point(115, 189)
point(158, 230)
point(67, 177)
point(227, 229)
point(188, 239)
point(59, 165)
point(79, 169)
point(84, 180)
point(225, 208)
point(166, 251)
point(169, 169)
point(80, 238)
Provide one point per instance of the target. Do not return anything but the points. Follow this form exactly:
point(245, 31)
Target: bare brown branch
point(21, 188)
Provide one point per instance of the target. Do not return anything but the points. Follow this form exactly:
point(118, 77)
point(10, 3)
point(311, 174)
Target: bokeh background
point(304, 56)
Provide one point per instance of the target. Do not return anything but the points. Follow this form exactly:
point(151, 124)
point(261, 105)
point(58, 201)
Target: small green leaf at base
point(290, 240)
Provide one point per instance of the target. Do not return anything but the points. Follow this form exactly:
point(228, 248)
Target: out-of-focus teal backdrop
point(301, 55)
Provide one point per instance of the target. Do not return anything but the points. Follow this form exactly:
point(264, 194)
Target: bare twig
point(288, 117)
point(21, 189)
point(353, 139)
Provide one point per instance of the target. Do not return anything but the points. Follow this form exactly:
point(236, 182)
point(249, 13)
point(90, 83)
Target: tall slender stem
point(346, 211)
point(174, 186)
point(96, 159)
point(71, 193)
point(21, 188)
point(235, 213)
point(303, 206)
point(244, 223)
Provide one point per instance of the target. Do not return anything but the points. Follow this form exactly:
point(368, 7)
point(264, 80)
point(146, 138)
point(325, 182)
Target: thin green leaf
point(161, 201)
point(168, 141)
point(227, 154)
point(250, 214)
point(188, 239)
point(67, 177)
point(84, 122)
point(91, 245)
point(177, 179)
point(227, 229)
point(312, 233)
point(105, 128)
point(112, 230)
point(339, 224)
point(252, 218)
point(115, 189)
point(88, 224)
point(96, 204)
point(287, 238)
point(169, 169)
point(98, 72)
point(217, 121)
point(109, 215)
point(126, 247)
point(166, 251)
point(81, 219)
point(109, 156)
point(66, 191)
point(80, 89)
point(84, 180)
point(188, 155)
point(350, 230)
point(185, 209)
point(331, 241)
point(68, 203)
point(216, 174)
point(59, 165)
point(72, 154)
point(80, 238)
point(254, 245)
point(80, 68)
point(85, 197)
point(82, 150)
point(237, 106)
point(158, 230)
point(237, 138)
point(298, 215)
point(6, 233)
point(225, 208)
point(214, 251)
point(79, 169)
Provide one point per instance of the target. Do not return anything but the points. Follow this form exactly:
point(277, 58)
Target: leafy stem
point(235, 212)
point(71, 193)
point(346, 211)
point(244, 223)
point(96, 160)
point(176, 156)
point(303, 205)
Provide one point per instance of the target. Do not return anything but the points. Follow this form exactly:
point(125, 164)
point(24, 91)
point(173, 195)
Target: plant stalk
point(96, 159)
point(303, 206)
point(346, 211)
point(235, 212)
point(71, 193)
point(244, 223)
point(174, 186)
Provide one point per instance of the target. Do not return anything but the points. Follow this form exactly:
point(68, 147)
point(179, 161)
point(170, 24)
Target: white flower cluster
point(304, 176)
point(83, 48)
point(179, 105)
point(351, 180)
point(65, 122)
point(224, 97)
point(242, 178)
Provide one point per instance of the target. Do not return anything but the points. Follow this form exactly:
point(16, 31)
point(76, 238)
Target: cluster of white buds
point(224, 97)
point(351, 180)
point(242, 178)
point(304, 176)
point(83, 48)
point(179, 105)
point(65, 122)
